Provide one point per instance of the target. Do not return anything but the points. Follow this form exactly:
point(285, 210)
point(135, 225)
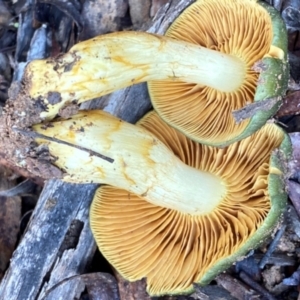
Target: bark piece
point(39, 263)
point(70, 8)
point(294, 163)
point(249, 110)
point(97, 286)
point(294, 194)
point(235, 287)
point(291, 14)
point(139, 12)
point(10, 215)
point(25, 31)
point(102, 16)
point(290, 105)
point(156, 5)
point(132, 290)
point(294, 61)
point(5, 14)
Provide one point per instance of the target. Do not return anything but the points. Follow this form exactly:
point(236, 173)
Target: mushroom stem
point(109, 62)
point(141, 164)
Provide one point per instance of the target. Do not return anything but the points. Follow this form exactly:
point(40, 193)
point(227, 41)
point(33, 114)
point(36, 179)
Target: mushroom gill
point(240, 28)
point(173, 249)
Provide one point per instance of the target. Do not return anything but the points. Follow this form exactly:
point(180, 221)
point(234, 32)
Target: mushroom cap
point(243, 28)
point(172, 249)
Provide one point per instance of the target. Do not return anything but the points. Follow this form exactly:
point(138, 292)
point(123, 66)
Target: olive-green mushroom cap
point(248, 30)
point(173, 249)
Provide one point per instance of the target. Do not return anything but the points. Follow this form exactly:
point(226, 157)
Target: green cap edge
point(278, 198)
point(267, 89)
point(273, 78)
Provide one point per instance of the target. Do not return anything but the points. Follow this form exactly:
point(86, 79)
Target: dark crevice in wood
point(72, 237)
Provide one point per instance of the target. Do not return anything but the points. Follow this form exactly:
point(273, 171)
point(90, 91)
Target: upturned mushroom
point(174, 211)
point(217, 57)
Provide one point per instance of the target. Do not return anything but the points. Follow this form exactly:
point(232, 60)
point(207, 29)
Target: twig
point(35, 135)
point(254, 285)
point(272, 247)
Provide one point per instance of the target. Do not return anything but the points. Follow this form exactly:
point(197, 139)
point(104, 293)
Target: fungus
point(217, 57)
point(174, 211)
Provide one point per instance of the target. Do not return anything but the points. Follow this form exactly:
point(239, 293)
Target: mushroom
point(217, 57)
point(174, 211)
